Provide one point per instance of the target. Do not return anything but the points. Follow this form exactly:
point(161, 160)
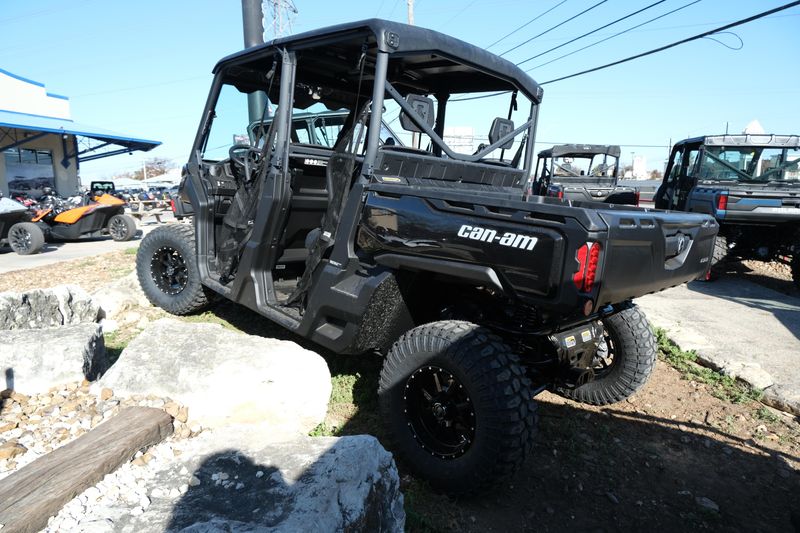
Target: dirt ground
point(674, 457)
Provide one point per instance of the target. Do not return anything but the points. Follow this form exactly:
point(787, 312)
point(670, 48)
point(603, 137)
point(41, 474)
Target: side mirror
point(423, 107)
point(500, 128)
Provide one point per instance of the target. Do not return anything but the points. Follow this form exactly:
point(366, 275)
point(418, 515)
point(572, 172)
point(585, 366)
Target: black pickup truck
point(588, 172)
point(478, 298)
point(750, 184)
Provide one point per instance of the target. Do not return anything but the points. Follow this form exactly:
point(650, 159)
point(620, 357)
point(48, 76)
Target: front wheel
point(122, 227)
point(25, 238)
point(458, 405)
point(624, 361)
point(166, 265)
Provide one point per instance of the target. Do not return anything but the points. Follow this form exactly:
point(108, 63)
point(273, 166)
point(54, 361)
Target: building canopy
point(93, 142)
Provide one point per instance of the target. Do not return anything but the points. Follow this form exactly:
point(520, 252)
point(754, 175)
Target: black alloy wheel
point(624, 362)
point(439, 412)
point(118, 229)
point(20, 239)
point(169, 271)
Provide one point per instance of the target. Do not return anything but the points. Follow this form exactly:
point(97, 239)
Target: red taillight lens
point(588, 257)
point(722, 202)
point(172, 204)
point(636, 197)
point(560, 195)
point(581, 256)
point(591, 268)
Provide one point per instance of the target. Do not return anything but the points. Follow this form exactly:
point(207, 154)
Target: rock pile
point(34, 425)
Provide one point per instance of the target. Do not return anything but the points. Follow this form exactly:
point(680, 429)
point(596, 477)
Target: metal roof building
point(40, 144)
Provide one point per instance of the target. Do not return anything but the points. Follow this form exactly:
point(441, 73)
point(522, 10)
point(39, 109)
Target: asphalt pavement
point(64, 251)
point(739, 327)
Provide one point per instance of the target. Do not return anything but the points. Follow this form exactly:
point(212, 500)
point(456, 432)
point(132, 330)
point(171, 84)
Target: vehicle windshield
point(749, 164)
point(580, 166)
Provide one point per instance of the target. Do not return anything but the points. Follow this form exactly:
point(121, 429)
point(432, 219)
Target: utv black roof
point(754, 139)
point(561, 150)
point(422, 61)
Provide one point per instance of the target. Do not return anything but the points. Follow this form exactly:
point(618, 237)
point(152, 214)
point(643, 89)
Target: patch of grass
point(763, 413)
point(115, 343)
point(721, 386)
point(130, 251)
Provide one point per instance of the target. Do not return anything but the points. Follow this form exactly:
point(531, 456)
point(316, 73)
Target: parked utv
point(750, 184)
point(478, 299)
point(94, 216)
point(586, 172)
point(16, 228)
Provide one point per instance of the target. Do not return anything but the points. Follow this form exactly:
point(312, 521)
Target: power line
point(534, 19)
point(676, 43)
point(554, 27)
point(629, 15)
point(616, 34)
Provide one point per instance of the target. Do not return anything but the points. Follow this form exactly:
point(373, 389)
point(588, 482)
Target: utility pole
point(253, 28)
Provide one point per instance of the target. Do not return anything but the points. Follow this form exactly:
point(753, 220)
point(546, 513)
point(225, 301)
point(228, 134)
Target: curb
point(775, 395)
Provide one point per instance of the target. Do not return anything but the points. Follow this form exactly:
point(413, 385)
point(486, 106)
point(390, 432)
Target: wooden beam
point(34, 493)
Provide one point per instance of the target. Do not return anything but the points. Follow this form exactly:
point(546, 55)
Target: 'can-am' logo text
point(513, 240)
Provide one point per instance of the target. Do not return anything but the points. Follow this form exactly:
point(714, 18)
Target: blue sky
point(143, 67)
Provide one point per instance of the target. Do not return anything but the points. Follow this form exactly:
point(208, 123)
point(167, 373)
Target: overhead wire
point(616, 34)
point(629, 15)
point(678, 43)
point(531, 21)
point(554, 27)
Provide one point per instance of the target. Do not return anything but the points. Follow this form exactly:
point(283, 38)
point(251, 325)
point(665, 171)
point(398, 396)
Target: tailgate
point(650, 251)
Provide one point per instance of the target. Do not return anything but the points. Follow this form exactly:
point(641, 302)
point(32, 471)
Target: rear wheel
point(122, 227)
point(624, 360)
point(458, 405)
point(166, 265)
point(25, 238)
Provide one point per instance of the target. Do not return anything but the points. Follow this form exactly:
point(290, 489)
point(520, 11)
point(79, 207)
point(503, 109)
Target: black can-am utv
point(750, 184)
point(478, 299)
point(587, 172)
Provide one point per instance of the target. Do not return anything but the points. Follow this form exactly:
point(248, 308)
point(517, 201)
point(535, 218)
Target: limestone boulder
point(47, 308)
point(226, 377)
point(220, 482)
point(120, 296)
point(33, 360)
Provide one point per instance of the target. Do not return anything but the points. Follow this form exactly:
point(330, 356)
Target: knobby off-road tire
point(481, 391)
point(630, 342)
point(166, 265)
point(122, 227)
point(25, 238)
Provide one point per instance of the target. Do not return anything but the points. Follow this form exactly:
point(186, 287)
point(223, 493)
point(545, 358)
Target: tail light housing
point(560, 195)
point(722, 201)
point(588, 257)
point(172, 204)
point(636, 196)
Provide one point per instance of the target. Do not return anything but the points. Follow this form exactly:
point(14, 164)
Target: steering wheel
point(244, 156)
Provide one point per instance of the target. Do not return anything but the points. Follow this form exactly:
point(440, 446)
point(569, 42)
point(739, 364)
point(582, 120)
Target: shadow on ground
point(590, 471)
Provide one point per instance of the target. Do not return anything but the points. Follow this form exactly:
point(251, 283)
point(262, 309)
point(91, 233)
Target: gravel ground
point(775, 275)
point(32, 426)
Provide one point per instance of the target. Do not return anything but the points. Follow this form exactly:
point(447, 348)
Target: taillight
point(591, 268)
point(722, 201)
point(588, 257)
point(560, 195)
point(636, 197)
point(172, 205)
